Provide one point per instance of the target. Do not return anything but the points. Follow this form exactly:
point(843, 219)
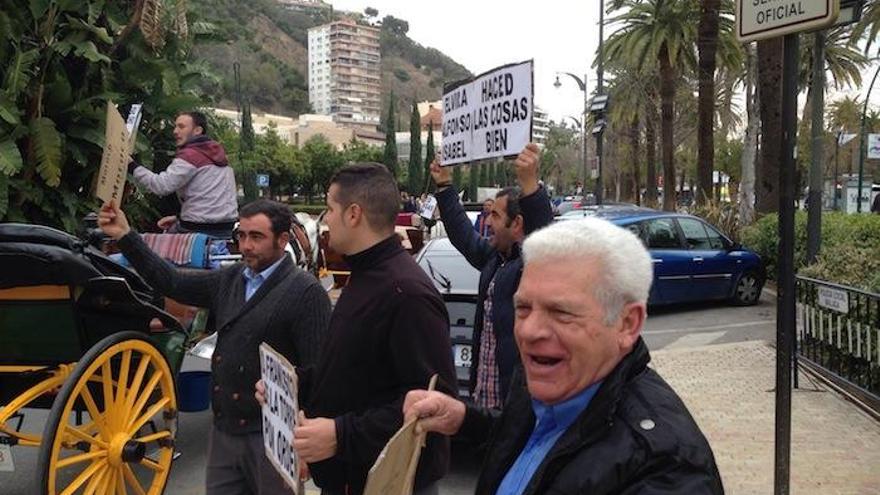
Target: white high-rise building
point(540, 127)
point(345, 73)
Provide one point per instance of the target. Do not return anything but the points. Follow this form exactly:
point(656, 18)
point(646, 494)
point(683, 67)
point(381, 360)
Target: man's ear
point(632, 318)
point(283, 239)
point(355, 215)
point(519, 223)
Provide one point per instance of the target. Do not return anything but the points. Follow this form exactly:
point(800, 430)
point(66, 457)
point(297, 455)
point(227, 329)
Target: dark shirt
point(389, 334)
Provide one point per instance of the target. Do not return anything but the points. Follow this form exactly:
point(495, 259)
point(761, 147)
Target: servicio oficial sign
point(762, 19)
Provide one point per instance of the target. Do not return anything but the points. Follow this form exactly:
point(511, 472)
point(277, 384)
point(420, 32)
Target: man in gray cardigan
point(266, 298)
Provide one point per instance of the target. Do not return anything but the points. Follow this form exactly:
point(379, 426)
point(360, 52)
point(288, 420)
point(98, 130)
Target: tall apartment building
point(344, 73)
point(540, 127)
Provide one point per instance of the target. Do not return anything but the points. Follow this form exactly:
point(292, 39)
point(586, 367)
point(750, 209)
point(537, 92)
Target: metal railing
point(838, 330)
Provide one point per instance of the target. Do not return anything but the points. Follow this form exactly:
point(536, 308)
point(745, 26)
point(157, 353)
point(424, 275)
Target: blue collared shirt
point(551, 422)
point(253, 280)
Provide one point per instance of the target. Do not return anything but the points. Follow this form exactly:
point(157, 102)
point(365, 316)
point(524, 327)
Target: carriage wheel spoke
point(152, 411)
point(95, 468)
point(76, 459)
point(132, 481)
point(82, 435)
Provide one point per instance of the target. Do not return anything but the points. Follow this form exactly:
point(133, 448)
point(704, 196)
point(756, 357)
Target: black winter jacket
point(389, 334)
point(290, 312)
point(635, 437)
point(481, 255)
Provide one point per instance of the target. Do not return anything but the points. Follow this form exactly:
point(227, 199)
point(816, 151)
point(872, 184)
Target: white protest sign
point(280, 414)
point(114, 161)
point(489, 116)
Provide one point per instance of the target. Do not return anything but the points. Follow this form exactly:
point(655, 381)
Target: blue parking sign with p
point(262, 180)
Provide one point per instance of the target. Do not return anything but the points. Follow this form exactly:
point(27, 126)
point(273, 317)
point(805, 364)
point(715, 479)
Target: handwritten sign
point(489, 116)
point(280, 413)
point(834, 299)
point(428, 207)
point(114, 162)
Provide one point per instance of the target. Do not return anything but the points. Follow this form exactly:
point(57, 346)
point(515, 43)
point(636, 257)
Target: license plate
point(463, 355)
point(6, 458)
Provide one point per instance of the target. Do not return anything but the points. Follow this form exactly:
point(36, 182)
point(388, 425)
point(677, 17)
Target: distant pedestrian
point(875, 207)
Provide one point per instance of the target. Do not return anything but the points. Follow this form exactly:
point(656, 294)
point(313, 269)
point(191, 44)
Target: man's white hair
point(625, 272)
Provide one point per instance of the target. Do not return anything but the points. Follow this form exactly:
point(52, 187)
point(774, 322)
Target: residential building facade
point(345, 73)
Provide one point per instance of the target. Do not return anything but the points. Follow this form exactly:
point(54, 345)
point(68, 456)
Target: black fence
point(839, 331)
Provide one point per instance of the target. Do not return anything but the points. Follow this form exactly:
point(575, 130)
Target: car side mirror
point(734, 247)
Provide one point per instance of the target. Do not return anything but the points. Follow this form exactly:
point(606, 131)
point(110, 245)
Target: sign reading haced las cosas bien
point(488, 116)
point(280, 412)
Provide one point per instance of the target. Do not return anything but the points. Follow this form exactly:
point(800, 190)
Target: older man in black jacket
point(592, 418)
point(264, 299)
point(515, 213)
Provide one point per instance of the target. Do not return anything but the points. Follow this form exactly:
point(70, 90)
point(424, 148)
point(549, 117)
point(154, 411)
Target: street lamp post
point(582, 84)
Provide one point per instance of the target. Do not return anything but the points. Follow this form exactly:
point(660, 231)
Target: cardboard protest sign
point(488, 116)
point(394, 471)
point(280, 414)
point(114, 161)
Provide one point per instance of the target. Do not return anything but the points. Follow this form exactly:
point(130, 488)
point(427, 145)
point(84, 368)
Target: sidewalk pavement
point(729, 389)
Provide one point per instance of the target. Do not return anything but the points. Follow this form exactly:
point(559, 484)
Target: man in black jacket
point(389, 334)
point(264, 299)
point(592, 418)
point(515, 213)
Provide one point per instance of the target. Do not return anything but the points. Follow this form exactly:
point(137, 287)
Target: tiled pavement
point(729, 389)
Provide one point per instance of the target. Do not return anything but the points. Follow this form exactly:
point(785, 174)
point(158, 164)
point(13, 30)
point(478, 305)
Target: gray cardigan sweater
point(290, 312)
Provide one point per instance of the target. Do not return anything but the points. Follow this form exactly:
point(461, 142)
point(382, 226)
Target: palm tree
point(707, 46)
point(652, 34)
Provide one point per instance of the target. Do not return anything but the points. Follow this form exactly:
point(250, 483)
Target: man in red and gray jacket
point(202, 178)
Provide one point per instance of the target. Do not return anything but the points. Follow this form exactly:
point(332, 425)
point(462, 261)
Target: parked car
point(693, 261)
point(603, 210)
point(458, 283)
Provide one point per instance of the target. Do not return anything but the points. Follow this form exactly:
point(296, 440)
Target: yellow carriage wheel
point(125, 443)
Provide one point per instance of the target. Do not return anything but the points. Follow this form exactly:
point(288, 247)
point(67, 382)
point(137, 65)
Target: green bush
point(850, 252)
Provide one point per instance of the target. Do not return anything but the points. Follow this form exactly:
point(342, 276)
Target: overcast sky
point(560, 35)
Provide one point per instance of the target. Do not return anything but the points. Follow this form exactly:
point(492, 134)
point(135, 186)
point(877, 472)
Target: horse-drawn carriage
point(76, 338)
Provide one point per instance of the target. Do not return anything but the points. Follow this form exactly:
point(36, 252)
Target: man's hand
point(435, 411)
point(526, 167)
point(315, 439)
point(112, 221)
point(166, 223)
point(441, 175)
point(260, 392)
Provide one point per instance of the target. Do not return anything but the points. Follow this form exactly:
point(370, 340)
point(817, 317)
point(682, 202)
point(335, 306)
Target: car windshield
point(450, 265)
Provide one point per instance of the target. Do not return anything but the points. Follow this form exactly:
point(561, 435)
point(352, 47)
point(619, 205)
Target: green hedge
point(850, 253)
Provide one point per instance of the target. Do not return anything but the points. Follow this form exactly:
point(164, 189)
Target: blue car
point(693, 261)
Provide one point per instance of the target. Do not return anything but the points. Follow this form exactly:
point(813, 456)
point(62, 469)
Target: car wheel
point(748, 289)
